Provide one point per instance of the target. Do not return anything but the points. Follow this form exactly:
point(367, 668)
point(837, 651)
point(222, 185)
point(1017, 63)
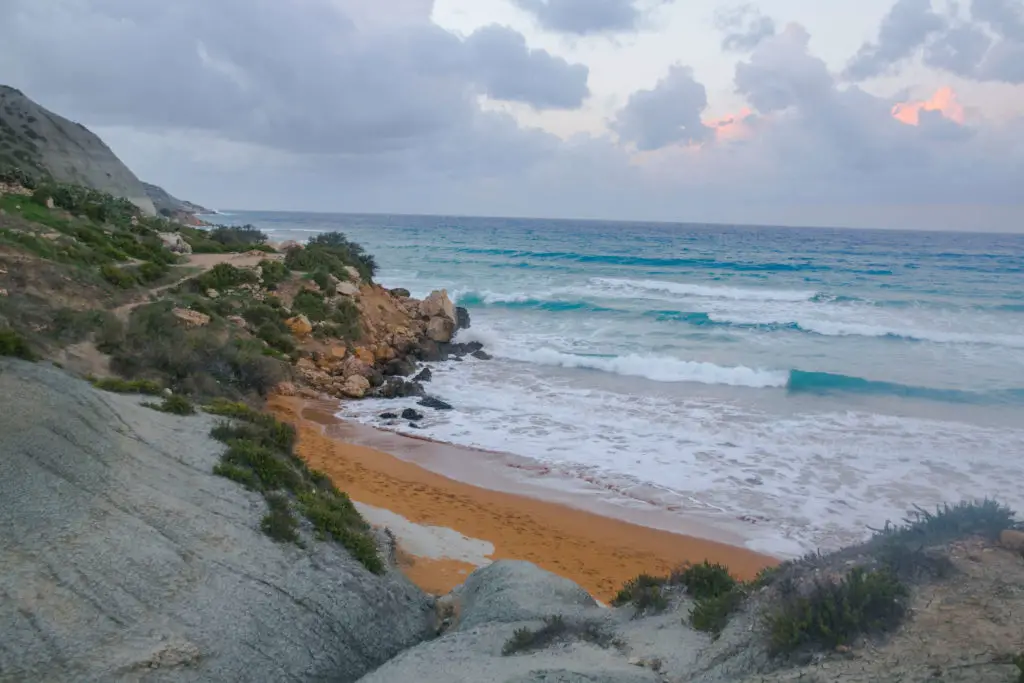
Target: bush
point(704, 580)
point(175, 405)
point(836, 612)
point(643, 592)
point(711, 614)
point(279, 523)
point(555, 629)
point(225, 276)
point(323, 280)
point(334, 517)
point(311, 304)
point(124, 386)
point(274, 273)
point(986, 518)
point(151, 272)
point(11, 344)
point(1018, 661)
point(118, 277)
point(242, 237)
point(331, 252)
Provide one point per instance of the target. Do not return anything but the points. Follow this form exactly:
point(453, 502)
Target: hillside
point(169, 205)
point(44, 143)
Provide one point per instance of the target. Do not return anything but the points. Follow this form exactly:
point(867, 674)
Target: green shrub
point(644, 593)
point(238, 238)
point(323, 280)
point(279, 523)
point(124, 386)
point(277, 336)
point(242, 475)
point(711, 614)
point(1018, 661)
point(334, 517)
point(118, 277)
point(986, 518)
point(345, 318)
point(704, 580)
point(835, 612)
point(274, 273)
point(331, 252)
point(273, 472)
point(151, 272)
point(175, 405)
point(556, 629)
point(225, 276)
point(12, 344)
point(311, 304)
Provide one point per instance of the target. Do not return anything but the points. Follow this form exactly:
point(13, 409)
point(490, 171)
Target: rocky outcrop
point(45, 143)
point(190, 318)
point(168, 204)
point(175, 242)
point(125, 559)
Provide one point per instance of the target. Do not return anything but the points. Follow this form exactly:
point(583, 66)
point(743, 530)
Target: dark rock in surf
point(430, 351)
point(389, 416)
point(376, 378)
point(461, 318)
point(414, 425)
point(400, 292)
point(435, 403)
point(482, 355)
point(425, 375)
point(396, 387)
point(410, 414)
point(399, 367)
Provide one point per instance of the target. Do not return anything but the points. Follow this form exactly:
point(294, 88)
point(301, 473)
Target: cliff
point(169, 205)
point(42, 142)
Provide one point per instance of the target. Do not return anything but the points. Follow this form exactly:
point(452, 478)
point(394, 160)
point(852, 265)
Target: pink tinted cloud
point(944, 101)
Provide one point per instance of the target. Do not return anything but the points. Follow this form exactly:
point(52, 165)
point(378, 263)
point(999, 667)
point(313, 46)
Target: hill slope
point(41, 142)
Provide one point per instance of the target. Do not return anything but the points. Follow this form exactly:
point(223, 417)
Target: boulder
point(347, 289)
point(435, 403)
point(366, 355)
point(352, 365)
point(400, 292)
point(481, 355)
point(191, 318)
point(461, 318)
point(285, 389)
point(396, 387)
point(429, 351)
point(353, 274)
point(1011, 539)
point(399, 367)
point(338, 352)
point(441, 329)
point(175, 242)
point(126, 559)
point(438, 305)
point(388, 416)
point(355, 386)
point(300, 326)
point(425, 375)
point(410, 414)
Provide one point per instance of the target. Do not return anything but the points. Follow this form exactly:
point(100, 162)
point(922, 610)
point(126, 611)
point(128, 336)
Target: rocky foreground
point(126, 559)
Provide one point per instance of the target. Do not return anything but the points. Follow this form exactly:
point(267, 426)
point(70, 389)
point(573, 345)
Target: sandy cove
point(597, 552)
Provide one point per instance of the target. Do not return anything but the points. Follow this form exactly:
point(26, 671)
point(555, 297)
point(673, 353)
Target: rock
point(164, 574)
point(461, 318)
point(355, 386)
point(366, 355)
point(3, 292)
point(415, 426)
point(482, 355)
point(191, 318)
point(175, 242)
point(238, 321)
point(1012, 539)
point(300, 326)
point(425, 375)
point(438, 305)
point(347, 289)
point(338, 352)
point(400, 292)
point(375, 378)
point(50, 204)
point(440, 329)
point(429, 351)
point(285, 389)
point(289, 245)
point(352, 365)
point(460, 350)
point(384, 353)
point(212, 293)
point(399, 367)
point(410, 414)
point(353, 274)
point(388, 416)
point(435, 403)
point(396, 387)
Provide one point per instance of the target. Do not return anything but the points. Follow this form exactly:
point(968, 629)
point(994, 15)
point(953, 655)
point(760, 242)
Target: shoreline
point(520, 519)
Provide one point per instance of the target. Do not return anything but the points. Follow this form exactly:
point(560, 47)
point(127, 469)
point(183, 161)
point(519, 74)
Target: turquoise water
point(809, 382)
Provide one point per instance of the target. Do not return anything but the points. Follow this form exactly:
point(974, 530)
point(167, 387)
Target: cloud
point(584, 17)
point(903, 30)
point(509, 70)
point(944, 102)
point(744, 27)
point(1005, 17)
point(781, 73)
point(669, 113)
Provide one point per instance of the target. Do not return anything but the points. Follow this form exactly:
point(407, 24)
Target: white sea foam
point(798, 481)
point(638, 288)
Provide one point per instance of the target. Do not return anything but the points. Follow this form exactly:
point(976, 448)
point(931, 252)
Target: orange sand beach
point(597, 552)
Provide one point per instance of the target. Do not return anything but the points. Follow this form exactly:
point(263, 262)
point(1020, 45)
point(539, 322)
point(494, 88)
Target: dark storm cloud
point(509, 70)
point(903, 30)
point(262, 71)
point(744, 27)
point(667, 114)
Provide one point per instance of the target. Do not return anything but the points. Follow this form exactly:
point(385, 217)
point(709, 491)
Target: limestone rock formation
point(126, 559)
point(62, 149)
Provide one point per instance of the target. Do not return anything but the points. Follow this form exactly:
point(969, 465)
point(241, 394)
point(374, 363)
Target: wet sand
point(522, 519)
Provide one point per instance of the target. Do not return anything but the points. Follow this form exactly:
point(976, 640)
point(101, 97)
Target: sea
point(804, 385)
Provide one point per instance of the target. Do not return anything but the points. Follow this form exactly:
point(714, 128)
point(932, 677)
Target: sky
point(852, 113)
